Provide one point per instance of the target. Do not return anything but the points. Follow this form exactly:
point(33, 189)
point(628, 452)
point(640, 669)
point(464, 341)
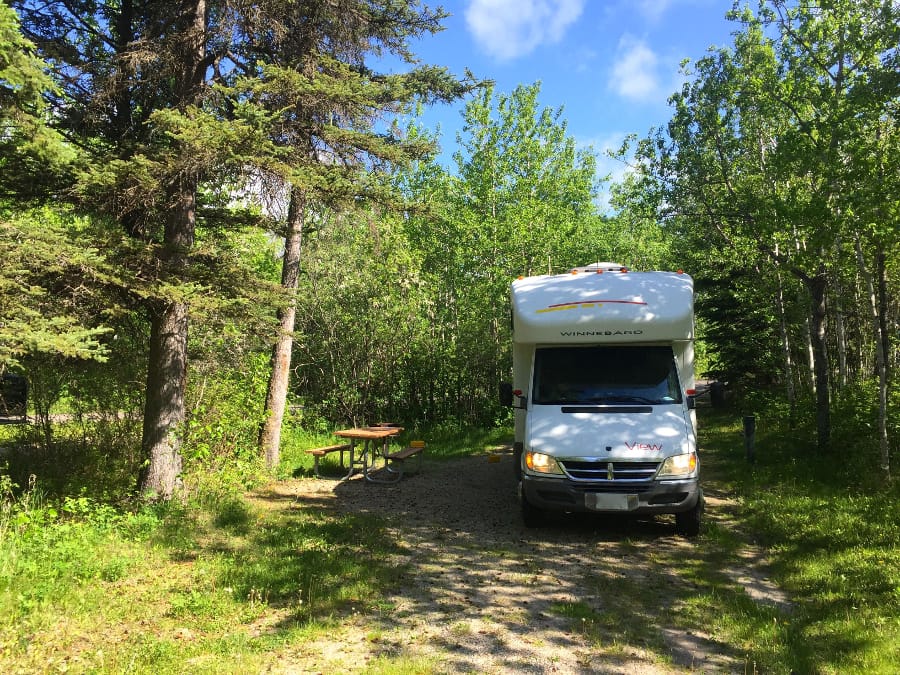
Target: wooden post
point(750, 437)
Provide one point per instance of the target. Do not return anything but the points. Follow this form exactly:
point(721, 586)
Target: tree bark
point(786, 355)
point(883, 307)
point(840, 331)
point(164, 411)
point(880, 362)
point(817, 286)
point(279, 379)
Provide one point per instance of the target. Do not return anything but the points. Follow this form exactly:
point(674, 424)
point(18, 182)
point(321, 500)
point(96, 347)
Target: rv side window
point(567, 375)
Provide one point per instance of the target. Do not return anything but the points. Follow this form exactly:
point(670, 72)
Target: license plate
point(610, 502)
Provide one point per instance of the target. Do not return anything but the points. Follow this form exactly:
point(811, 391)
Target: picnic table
point(374, 442)
point(367, 446)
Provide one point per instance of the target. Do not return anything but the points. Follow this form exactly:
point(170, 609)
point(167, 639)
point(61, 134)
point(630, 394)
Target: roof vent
point(600, 267)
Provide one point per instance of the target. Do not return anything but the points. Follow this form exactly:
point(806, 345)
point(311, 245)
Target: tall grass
point(831, 527)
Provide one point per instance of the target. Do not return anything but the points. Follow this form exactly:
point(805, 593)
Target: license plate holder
point(602, 501)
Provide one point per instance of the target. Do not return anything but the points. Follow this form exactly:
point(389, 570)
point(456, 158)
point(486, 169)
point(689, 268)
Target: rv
point(603, 386)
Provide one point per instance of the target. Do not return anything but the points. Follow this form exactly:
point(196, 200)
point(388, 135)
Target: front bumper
point(636, 498)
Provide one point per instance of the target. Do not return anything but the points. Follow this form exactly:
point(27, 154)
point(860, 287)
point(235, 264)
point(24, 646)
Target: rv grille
point(598, 471)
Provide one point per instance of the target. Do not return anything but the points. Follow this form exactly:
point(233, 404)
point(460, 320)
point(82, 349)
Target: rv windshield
point(579, 375)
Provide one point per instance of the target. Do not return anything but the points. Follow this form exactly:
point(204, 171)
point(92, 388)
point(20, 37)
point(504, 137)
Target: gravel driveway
point(486, 595)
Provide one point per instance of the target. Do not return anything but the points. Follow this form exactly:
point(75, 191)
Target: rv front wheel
point(687, 523)
point(532, 516)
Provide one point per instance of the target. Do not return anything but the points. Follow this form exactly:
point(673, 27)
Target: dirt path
point(486, 595)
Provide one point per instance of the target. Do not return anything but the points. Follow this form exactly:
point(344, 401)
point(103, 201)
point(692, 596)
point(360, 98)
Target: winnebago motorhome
point(603, 384)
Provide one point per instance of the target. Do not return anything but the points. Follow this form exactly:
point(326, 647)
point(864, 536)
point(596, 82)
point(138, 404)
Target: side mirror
point(511, 398)
point(506, 394)
point(691, 398)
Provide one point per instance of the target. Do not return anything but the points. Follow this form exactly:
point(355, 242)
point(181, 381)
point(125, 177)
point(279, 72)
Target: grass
point(221, 579)
point(832, 532)
point(85, 587)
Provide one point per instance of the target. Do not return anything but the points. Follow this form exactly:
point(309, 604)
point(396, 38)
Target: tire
point(687, 523)
point(517, 460)
point(532, 516)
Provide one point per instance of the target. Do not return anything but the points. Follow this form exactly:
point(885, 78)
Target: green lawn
point(86, 587)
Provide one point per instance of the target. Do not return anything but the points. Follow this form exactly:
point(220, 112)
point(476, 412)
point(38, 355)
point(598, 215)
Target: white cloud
point(635, 71)
point(506, 29)
point(653, 10)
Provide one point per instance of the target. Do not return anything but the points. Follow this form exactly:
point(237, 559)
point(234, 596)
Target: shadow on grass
point(312, 562)
point(608, 587)
point(832, 532)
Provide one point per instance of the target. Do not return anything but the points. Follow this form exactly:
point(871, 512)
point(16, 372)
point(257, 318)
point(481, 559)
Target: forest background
point(242, 171)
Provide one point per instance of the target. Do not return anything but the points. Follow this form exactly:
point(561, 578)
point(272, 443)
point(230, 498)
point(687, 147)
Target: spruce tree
point(174, 101)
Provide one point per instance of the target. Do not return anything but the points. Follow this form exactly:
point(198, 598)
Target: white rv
point(603, 385)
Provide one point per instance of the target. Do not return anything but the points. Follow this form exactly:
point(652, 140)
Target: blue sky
point(611, 64)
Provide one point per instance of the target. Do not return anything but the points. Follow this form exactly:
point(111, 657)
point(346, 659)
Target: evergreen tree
point(173, 101)
point(41, 265)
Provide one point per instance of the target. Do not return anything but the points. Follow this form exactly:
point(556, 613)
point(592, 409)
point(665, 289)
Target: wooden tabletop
point(368, 433)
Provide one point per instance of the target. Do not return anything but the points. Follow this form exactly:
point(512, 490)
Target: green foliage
point(45, 308)
point(196, 579)
point(51, 553)
point(522, 201)
point(32, 154)
point(773, 174)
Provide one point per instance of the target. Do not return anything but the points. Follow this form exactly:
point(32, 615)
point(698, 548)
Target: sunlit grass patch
point(402, 665)
point(833, 539)
point(114, 591)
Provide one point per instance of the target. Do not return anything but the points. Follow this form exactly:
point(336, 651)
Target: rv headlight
point(538, 462)
point(678, 466)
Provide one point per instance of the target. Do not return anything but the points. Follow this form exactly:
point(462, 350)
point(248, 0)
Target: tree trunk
point(786, 356)
point(840, 333)
point(164, 411)
point(883, 306)
point(809, 377)
point(881, 364)
point(276, 395)
point(817, 286)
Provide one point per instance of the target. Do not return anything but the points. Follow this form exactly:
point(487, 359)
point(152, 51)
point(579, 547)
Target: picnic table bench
point(321, 452)
point(397, 459)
